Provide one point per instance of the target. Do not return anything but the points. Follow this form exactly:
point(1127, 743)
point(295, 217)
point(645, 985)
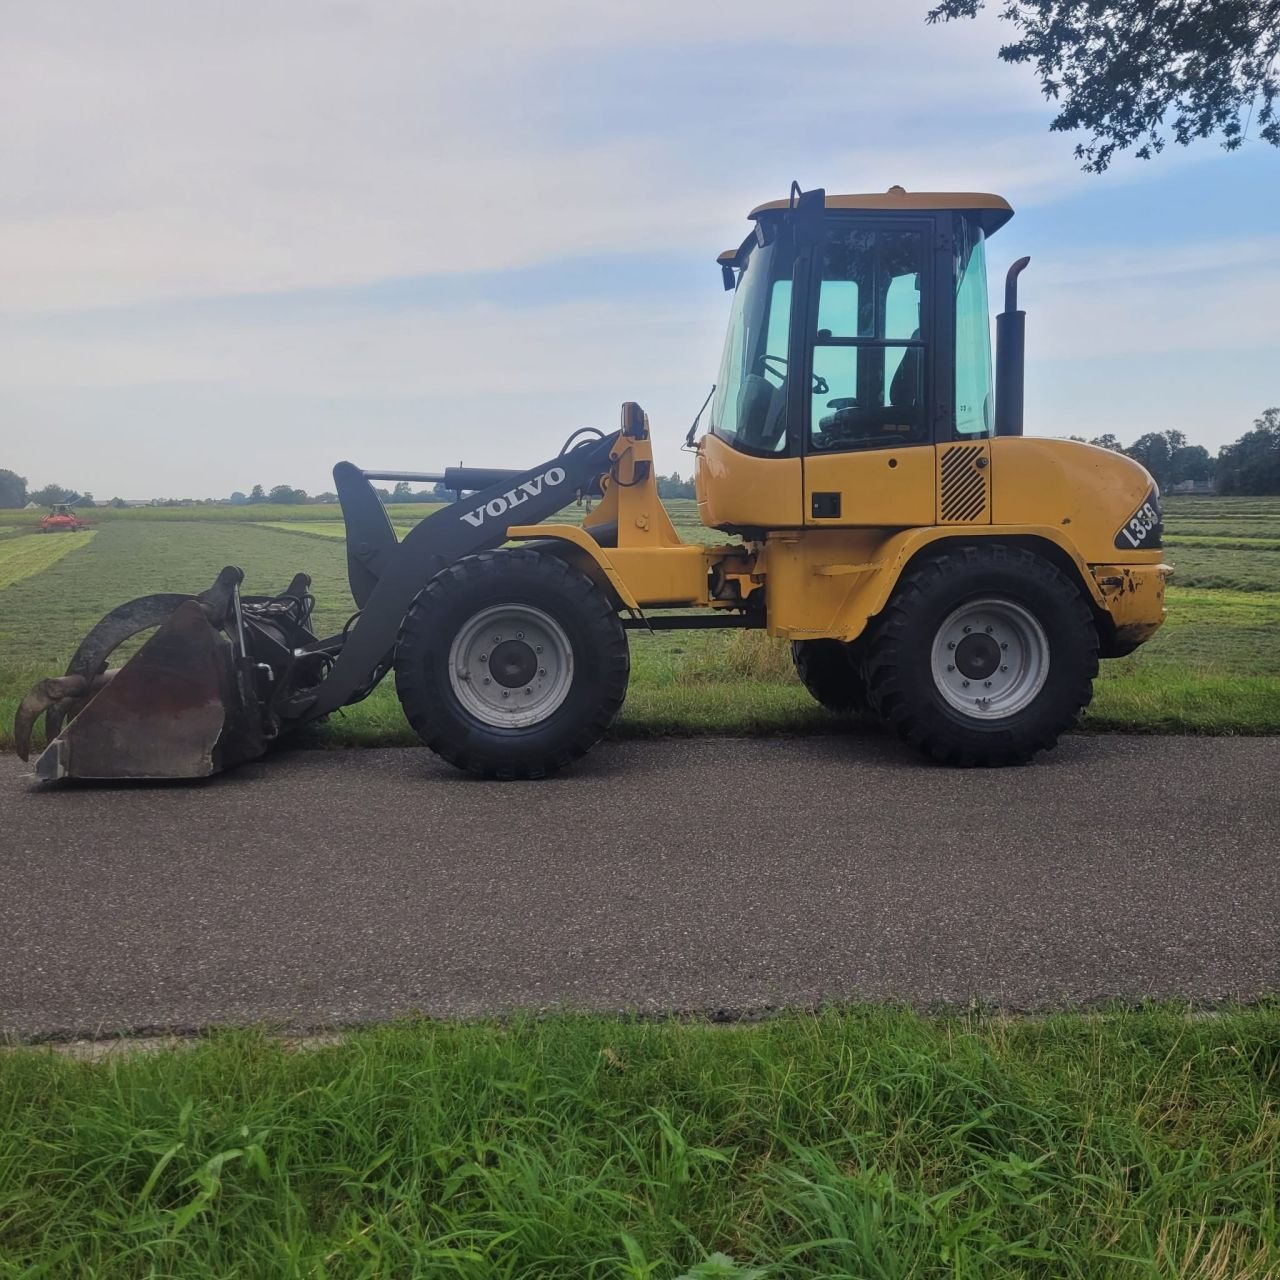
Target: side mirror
point(807, 212)
point(730, 280)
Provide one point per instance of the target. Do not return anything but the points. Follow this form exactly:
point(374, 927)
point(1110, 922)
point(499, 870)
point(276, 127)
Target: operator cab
point(859, 325)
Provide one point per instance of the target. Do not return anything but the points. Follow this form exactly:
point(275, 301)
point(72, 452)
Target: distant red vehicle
point(61, 519)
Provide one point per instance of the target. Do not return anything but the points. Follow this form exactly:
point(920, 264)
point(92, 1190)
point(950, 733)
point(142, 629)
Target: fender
point(858, 577)
point(583, 545)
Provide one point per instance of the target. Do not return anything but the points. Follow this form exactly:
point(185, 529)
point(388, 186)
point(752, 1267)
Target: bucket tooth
point(177, 709)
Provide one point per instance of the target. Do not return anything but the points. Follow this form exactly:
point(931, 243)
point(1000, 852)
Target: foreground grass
point(873, 1143)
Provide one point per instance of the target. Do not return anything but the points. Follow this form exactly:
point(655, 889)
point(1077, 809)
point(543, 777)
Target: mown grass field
point(871, 1143)
point(22, 557)
point(1212, 668)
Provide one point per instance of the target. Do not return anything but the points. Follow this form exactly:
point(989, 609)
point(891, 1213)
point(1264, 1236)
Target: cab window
point(974, 415)
point(868, 355)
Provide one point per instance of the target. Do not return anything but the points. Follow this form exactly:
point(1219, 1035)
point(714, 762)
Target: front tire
point(832, 673)
point(985, 655)
point(511, 664)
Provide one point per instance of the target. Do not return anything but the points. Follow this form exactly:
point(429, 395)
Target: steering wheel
point(820, 385)
point(767, 361)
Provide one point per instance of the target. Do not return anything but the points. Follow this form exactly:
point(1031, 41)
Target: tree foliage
point(52, 494)
point(1252, 463)
point(1170, 459)
point(1130, 72)
point(674, 486)
point(1108, 441)
point(287, 494)
point(13, 489)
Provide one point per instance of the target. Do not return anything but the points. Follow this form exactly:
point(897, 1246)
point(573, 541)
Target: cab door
point(868, 411)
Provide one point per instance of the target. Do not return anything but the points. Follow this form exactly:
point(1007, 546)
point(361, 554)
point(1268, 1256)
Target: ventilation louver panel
point(964, 485)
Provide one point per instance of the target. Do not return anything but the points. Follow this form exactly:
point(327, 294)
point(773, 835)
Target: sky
point(241, 242)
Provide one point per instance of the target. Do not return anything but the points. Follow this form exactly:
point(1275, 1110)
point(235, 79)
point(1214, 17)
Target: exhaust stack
point(1011, 340)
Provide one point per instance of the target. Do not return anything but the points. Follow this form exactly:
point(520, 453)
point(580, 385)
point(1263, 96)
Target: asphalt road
point(723, 876)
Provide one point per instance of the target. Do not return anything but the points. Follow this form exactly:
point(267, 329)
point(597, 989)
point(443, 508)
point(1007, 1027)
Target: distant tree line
point(673, 486)
point(1250, 465)
point(14, 493)
point(287, 495)
point(1166, 454)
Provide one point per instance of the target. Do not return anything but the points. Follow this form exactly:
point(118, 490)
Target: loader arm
point(392, 573)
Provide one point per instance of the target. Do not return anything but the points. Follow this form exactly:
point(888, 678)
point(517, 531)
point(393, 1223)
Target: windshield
point(749, 408)
point(973, 333)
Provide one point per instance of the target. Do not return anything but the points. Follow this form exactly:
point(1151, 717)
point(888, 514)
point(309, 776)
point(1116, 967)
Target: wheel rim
point(990, 658)
point(511, 665)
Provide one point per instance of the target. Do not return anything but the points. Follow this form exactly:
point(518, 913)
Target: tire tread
point(889, 684)
point(421, 701)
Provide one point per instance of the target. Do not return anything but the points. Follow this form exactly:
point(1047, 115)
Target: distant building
point(1199, 487)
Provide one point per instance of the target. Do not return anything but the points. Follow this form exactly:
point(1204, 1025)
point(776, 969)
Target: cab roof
point(990, 211)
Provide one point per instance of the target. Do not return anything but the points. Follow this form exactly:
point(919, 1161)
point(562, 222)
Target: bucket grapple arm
point(223, 674)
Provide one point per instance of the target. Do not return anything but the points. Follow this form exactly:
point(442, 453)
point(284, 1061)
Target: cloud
point(267, 234)
point(155, 151)
point(1198, 298)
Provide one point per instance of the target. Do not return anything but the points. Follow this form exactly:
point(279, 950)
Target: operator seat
point(904, 387)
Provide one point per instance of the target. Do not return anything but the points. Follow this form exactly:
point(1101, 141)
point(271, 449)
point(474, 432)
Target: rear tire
point(985, 655)
point(832, 672)
point(511, 664)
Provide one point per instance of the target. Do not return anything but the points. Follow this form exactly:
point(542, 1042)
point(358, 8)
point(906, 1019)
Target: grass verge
point(873, 1143)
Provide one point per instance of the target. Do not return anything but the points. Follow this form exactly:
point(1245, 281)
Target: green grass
point(1211, 669)
point(872, 1143)
point(1228, 541)
point(1225, 568)
point(408, 512)
point(22, 557)
point(320, 528)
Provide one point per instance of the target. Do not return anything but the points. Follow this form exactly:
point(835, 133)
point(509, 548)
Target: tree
point(238, 499)
point(287, 494)
point(1156, 451)
point(1108, 441)
point(402, 492)
point(1128, 70)
point(1191, 462)
point(256, 494)
point(118, 503)
point(13, 489)
point(52, 494)
point(1252, 463)
point(674, 486)
point(85, 500)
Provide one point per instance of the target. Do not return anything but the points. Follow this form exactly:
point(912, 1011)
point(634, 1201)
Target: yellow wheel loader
point(928, 563)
